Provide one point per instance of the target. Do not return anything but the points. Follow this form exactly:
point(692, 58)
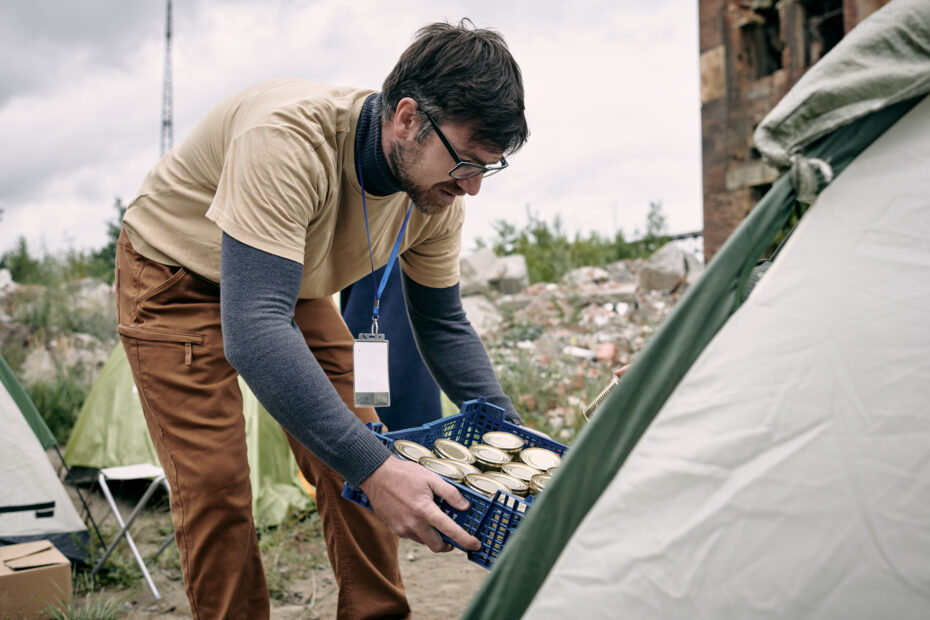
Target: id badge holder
point(372, 388)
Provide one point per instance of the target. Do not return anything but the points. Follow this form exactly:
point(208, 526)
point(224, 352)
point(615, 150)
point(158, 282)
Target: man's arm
point(258, 294)
point(454, 354)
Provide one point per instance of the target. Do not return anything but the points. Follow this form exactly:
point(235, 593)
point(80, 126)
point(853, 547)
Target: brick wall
point(752, 52)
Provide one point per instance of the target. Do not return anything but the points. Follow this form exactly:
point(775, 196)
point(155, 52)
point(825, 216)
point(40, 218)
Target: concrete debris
point(483, 315)
point(515, 276)
point(477, 270)
point(586, 275)
point(606, 352)
point(585, 354)
point(669, 268)
point(483, 272)
point(620, 272)
point(6, 280)
point(559, 343)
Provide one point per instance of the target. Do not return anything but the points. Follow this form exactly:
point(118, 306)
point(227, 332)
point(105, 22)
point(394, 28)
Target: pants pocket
point(188, 340)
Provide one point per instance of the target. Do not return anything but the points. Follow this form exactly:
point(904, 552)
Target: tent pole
point(90, 516)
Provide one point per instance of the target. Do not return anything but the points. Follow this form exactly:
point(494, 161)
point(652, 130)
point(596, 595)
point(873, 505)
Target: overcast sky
point(611, 95)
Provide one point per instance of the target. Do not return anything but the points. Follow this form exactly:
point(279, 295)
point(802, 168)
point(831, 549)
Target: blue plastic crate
point(490, 520)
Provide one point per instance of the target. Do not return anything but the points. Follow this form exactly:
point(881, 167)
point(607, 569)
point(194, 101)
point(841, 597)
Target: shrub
point(550, 253)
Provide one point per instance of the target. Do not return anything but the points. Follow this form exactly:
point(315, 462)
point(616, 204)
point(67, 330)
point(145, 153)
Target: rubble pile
point(556, 345)
point(45, 333)
point(553, 345)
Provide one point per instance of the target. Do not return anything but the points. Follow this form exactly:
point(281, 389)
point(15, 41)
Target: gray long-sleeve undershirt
point(258, 295)
point(265, 346)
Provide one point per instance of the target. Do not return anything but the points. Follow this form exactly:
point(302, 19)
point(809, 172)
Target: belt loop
point(188, 353)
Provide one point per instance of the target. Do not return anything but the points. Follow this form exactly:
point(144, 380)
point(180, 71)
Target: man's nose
point(471, 186)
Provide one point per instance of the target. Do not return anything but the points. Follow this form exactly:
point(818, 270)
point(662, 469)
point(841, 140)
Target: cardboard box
point(33, 575)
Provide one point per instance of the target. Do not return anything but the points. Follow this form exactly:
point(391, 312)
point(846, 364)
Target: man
point(227, 262)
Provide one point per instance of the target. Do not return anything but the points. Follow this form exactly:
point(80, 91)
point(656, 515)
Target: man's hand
point(401, 493)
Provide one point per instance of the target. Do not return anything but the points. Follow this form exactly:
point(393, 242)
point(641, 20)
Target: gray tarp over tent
point(33, 503)
point(770, 458)
point(111, 431)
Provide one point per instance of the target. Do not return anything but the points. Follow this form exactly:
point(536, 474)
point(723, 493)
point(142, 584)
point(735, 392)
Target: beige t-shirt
point(274, 167)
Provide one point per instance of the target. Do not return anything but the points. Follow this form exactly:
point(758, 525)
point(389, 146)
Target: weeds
point(120, 570)
point(550, 253)
point(291, 551)
point(53, 308)
point(549, 395)
point(92, 605)
point(60, 400)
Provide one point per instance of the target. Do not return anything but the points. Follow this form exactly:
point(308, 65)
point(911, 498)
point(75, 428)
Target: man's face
point(422, 168)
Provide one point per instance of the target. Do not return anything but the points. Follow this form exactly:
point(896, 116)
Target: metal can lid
point(466, 468)
point(540, 458)
point(489, 456)
point(520, 470)
point(485, 484)
point(508, 442)
point(410, 450)
point(539, 482)
point(516, 486)
point(443, 467)
point(449, 449)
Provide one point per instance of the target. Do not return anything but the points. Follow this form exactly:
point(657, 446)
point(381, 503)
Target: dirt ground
point(439, 586)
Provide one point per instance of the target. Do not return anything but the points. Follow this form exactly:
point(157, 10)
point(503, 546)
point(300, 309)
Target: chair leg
point(124, 530)
point(164, 546)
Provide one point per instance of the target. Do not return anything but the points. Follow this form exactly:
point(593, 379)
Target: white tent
point(33, 503)
point(770, 458)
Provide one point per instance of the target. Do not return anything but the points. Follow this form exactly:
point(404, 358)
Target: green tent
point(766, 456)
point(33, 502)
point(111, 431)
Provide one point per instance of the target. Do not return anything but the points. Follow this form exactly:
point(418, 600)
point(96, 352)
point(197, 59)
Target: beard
point(428, 200)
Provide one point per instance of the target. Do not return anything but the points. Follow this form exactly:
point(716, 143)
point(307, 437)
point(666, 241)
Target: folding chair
point(132, 472)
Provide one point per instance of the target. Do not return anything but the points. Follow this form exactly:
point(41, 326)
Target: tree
point(656, 222)
point(656, 229)
point(103, 261)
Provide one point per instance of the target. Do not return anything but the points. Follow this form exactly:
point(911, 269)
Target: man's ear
point(406, 120)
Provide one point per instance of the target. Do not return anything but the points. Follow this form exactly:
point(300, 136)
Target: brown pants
point(169, 321)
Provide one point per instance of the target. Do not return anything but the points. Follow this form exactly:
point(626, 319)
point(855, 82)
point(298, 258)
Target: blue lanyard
point(379, 289)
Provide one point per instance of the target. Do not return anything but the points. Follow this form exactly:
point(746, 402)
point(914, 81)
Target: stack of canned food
point(499, 463)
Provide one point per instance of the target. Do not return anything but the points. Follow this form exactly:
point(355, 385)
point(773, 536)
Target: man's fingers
point(449, 493)
point(444, 524)
point(403, 495)
point(434, 541)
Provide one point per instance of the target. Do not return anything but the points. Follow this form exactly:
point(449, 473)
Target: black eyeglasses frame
point(471, 169)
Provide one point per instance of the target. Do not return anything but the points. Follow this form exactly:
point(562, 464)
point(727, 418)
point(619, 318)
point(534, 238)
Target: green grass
point(89, 605)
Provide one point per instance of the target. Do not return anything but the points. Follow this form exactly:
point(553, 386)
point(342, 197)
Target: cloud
point(612, 99)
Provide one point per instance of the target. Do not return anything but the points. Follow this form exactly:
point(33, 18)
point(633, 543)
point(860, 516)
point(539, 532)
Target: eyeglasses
point(464, 169)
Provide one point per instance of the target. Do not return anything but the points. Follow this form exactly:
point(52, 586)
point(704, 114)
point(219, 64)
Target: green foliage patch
point(550, 253)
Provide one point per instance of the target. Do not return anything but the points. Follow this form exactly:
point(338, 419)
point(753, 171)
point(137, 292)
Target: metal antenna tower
point(167, 104)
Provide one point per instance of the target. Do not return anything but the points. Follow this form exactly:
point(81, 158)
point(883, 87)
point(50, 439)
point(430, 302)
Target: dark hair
point(464, 75)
